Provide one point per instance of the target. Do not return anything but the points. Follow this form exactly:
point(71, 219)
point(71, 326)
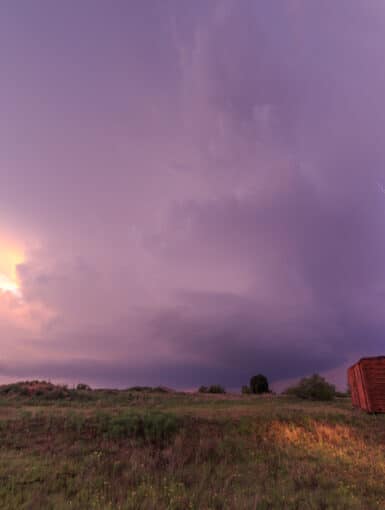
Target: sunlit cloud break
point(7, 285)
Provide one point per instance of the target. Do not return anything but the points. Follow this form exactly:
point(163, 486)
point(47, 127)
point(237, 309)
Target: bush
point(246, 390)
point(313, 388)
point(259, 384)
point(83, 387)
point(14, 389)
point(35, 389)
point(139, 388)
point(53, 394)
point(160, 389)
point(214, 388)
point(151, 427)
point(342, 394)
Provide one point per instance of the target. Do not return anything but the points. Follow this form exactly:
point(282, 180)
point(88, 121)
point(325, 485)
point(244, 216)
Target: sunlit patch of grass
point(353, 465)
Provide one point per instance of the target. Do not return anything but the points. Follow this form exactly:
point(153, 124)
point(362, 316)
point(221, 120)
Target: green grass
point(149, 450)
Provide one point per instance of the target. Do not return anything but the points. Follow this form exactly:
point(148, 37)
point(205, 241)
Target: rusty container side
point(358, 387)
point(353, 387)
point(373, 371)
point(361, 387)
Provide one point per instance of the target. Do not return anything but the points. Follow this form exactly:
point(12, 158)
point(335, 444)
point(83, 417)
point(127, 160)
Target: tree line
point(310, 388)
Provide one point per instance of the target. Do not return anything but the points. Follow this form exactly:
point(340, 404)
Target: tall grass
point(278, 454)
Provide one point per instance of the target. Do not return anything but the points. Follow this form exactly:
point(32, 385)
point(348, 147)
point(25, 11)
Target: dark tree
point(259, 384)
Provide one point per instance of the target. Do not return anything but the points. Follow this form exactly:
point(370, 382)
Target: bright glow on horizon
point(7, 285)
point(11, 255)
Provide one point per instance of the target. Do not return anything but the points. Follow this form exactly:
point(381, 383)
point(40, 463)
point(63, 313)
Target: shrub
point(313, 388)
point(53, 394)
point(150, 389)
point(160, 389)
point(82, 395)
point(342, 394)
point(259, 384)
point(214, 388)
point(151, 427)
point(140, 388)
point(246, 390)
point(83, 387)
point(15, 389)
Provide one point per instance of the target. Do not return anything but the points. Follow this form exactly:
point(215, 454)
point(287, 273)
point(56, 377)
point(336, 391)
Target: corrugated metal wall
point(367, 384)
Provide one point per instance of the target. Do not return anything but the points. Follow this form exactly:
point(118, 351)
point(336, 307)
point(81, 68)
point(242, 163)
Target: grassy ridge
point(143, 450)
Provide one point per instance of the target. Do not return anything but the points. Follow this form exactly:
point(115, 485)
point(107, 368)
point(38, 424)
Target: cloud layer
point(198, 188)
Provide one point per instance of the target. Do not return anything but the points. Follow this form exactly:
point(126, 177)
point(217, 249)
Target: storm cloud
point(199, 189)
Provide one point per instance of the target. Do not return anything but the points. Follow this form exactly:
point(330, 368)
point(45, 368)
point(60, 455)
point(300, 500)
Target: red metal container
point(367, 384)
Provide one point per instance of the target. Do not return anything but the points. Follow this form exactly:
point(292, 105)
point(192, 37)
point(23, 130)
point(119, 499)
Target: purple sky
point(191, 192)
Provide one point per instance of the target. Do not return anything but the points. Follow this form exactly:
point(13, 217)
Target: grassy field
point(148, 450)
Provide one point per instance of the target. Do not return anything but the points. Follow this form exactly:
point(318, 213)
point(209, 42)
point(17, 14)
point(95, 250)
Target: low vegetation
point(313, 388)
point(132, 450)
point(245, 390)
point(214, 388)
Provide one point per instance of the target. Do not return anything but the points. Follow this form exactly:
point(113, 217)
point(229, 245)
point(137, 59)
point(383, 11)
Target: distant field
point(139, 450)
